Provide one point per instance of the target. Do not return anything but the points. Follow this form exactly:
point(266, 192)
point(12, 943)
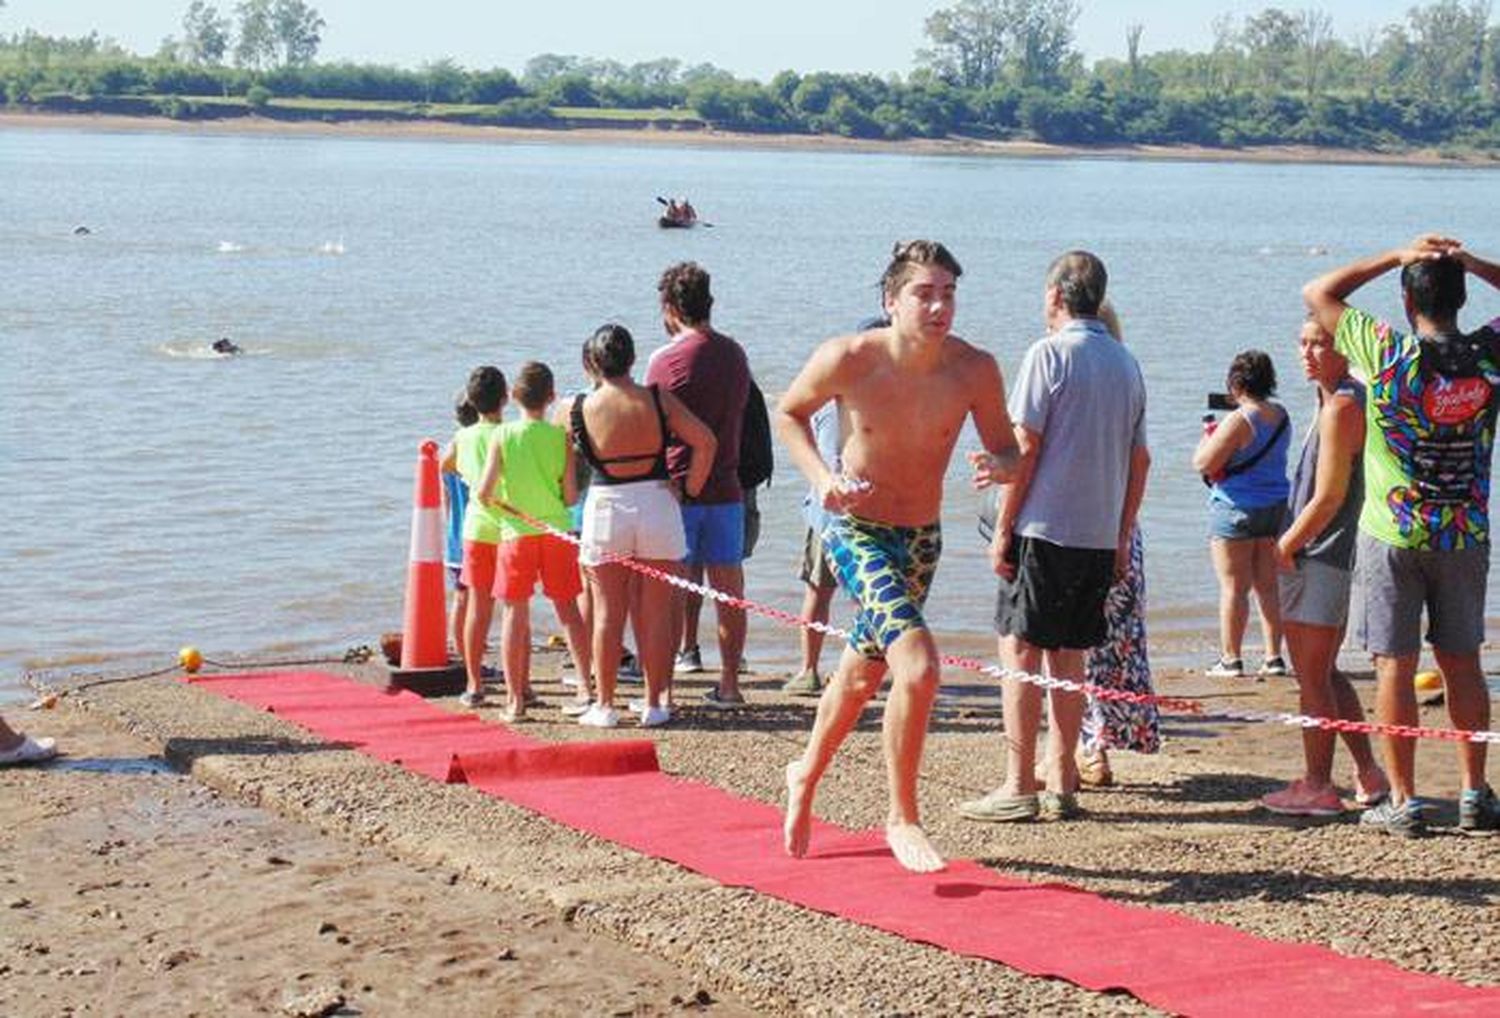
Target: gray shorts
point(816, 570)
point(1315, 594)
point(1399, 582)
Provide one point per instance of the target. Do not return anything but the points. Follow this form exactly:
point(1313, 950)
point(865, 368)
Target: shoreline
point(1179, 644)
point(715, 139)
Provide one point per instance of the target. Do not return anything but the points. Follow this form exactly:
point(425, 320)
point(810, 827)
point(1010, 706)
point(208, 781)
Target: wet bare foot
point(798, 828)
point(912, 849)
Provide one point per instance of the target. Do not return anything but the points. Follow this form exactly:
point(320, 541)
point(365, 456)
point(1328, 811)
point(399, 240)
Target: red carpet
point(614, 790)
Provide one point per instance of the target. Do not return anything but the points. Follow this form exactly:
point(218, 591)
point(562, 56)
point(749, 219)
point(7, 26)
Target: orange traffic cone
point(425, 667)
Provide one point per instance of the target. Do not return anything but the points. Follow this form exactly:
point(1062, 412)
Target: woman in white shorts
point(632, 511)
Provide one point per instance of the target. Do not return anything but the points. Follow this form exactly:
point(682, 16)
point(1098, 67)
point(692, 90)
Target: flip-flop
point(29, 751)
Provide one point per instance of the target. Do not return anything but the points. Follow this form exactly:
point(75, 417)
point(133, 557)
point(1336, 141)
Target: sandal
point(1093, 770)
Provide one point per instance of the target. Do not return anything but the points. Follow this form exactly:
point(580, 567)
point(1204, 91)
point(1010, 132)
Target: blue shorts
point(1229, 523)
point(715, 534)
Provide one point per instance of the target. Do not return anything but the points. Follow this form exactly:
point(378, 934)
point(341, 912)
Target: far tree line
point(987, 69)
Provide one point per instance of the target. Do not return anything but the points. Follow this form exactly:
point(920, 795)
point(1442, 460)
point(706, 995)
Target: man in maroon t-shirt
point(708, 372)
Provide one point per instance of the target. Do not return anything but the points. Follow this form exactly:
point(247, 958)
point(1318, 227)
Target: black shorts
point(1056, 601)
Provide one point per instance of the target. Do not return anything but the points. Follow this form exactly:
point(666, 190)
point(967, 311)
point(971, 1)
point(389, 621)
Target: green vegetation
point(994, 69)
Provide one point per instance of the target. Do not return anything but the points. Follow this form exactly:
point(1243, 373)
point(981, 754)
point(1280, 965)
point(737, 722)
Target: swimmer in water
point(227, 346)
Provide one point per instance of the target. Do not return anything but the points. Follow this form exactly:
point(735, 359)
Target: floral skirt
point(1121, 663)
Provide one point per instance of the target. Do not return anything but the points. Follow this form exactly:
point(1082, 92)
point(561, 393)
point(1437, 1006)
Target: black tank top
point(598, 465)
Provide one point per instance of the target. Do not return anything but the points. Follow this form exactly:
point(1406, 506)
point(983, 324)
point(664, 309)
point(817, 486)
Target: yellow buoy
point(1429, 682)
point(190, 659)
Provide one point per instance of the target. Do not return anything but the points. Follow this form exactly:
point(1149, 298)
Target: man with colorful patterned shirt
point(1424, 529)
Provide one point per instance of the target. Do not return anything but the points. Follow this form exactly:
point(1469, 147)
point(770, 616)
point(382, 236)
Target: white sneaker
point(1226, 668)
point(655, 717)
point(569, 681)
point(599, 717)
point(30, 750)
point(576, 709)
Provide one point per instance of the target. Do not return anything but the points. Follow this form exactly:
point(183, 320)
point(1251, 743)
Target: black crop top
point(601, 474)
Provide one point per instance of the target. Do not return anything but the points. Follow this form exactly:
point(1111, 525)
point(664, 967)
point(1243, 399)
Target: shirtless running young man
point(903, 394)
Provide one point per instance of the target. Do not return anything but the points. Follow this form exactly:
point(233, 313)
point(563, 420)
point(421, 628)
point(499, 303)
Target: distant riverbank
point(633, 134)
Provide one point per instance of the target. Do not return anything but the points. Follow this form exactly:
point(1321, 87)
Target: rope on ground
point(1173, 705)
point(353, 655)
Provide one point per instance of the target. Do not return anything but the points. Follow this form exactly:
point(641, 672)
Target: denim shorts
point(1230, 523)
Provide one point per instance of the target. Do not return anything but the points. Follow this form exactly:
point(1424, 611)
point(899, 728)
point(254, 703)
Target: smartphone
point(1221, 401)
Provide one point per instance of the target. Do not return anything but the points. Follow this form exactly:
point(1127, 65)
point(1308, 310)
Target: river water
point(159, 495)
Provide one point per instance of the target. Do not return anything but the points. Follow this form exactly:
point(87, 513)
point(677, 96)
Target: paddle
point(700, 222)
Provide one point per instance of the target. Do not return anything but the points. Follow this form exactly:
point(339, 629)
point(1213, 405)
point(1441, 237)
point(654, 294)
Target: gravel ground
point(1179, 832)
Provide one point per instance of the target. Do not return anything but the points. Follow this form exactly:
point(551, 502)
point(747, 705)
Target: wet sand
point(131, 889)
point(209, 894)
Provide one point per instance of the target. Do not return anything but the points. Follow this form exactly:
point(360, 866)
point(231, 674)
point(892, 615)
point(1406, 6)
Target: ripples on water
point(160, 493)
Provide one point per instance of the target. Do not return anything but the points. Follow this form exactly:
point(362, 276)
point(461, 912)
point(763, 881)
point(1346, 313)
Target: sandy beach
point(130, 888)
point(711, 138)
point(193, 855)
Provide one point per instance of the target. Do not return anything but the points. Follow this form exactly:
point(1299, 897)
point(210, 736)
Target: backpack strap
point(1246, 464)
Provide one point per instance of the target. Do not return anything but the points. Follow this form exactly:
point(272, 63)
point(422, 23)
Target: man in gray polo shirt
point(1063, 528)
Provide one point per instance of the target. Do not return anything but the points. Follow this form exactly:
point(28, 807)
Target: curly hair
point(1252, 373)
point(684, 289)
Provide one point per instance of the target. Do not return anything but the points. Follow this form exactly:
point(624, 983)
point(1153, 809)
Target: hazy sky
point(753, 38)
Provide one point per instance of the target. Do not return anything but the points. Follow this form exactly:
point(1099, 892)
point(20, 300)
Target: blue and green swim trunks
point(887, 570)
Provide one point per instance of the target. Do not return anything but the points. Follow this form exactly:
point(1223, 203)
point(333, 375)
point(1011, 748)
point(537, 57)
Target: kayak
point(668, 223)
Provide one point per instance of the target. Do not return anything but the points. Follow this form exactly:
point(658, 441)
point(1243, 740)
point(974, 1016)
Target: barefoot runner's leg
point(850, 689)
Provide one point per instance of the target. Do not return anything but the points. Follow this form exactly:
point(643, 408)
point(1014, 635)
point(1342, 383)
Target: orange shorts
point(479, 565)
point(540, 556)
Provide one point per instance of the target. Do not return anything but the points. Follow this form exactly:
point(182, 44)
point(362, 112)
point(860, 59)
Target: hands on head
point(1430, 247)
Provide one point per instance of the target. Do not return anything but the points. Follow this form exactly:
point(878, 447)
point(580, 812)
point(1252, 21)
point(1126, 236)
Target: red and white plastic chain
point(1176, 705)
